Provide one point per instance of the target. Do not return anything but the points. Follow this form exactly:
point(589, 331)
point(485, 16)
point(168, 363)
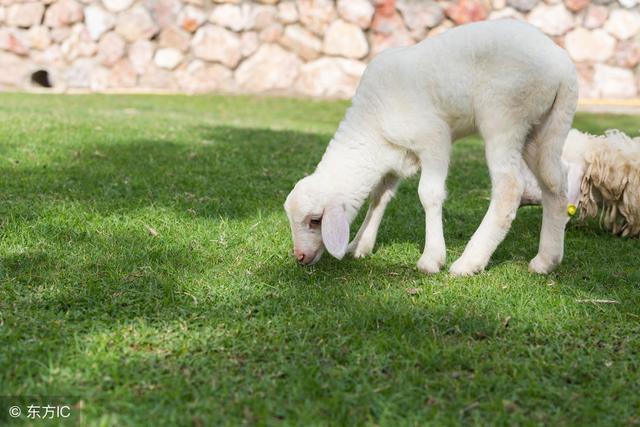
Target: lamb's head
point(317, 221)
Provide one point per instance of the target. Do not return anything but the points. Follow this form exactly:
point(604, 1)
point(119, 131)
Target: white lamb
point(504, 79)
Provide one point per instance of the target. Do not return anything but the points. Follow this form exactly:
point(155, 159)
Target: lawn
point(146, 278)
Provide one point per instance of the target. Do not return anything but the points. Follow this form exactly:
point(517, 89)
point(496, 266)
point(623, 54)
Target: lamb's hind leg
point(362, 245)
point(552, 178)
point(543, 154)
point(504, 157)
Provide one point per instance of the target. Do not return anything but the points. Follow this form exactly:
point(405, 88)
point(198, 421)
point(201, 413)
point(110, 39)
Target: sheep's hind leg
point(432, 192)
point(554, 211)
point(362, 245)
point(504, 157)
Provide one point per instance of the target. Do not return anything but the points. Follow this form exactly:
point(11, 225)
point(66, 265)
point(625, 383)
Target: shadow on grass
point(221, 172)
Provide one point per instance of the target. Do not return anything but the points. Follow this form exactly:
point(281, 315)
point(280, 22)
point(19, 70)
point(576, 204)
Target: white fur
point(504, 79)
point(604, 177)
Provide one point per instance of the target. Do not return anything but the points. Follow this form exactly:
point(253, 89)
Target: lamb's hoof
point(462, 267)
point(359, 249)
point(430, 265)
point(541, 265)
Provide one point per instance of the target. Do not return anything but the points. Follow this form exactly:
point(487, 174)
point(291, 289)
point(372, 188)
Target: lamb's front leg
point(432, 194)
point(362, 245)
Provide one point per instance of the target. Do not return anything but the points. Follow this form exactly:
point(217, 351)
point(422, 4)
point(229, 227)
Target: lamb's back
point(462, 56)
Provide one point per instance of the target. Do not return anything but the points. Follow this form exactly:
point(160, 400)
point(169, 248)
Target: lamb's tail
point(548, 137)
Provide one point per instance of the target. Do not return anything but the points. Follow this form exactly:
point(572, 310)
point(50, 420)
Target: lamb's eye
point(315, 222)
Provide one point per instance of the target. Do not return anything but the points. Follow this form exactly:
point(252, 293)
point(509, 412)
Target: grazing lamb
point(604, 176)
point(504, 79)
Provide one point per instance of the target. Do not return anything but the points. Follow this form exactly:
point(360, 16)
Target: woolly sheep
point(604, 176)
point(504, 79)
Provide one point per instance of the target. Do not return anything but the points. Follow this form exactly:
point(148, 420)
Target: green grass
point(211, 322)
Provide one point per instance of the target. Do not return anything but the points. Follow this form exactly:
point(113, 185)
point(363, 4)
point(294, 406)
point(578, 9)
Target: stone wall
point(308, 47)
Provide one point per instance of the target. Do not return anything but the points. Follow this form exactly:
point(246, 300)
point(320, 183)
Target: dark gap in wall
point(41, 78)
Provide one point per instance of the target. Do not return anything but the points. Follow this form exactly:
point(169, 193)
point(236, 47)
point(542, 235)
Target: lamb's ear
point(335, 231)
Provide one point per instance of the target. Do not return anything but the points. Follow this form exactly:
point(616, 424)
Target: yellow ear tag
point(571, 209)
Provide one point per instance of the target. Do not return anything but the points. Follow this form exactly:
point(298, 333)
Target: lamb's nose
point(299, 255)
